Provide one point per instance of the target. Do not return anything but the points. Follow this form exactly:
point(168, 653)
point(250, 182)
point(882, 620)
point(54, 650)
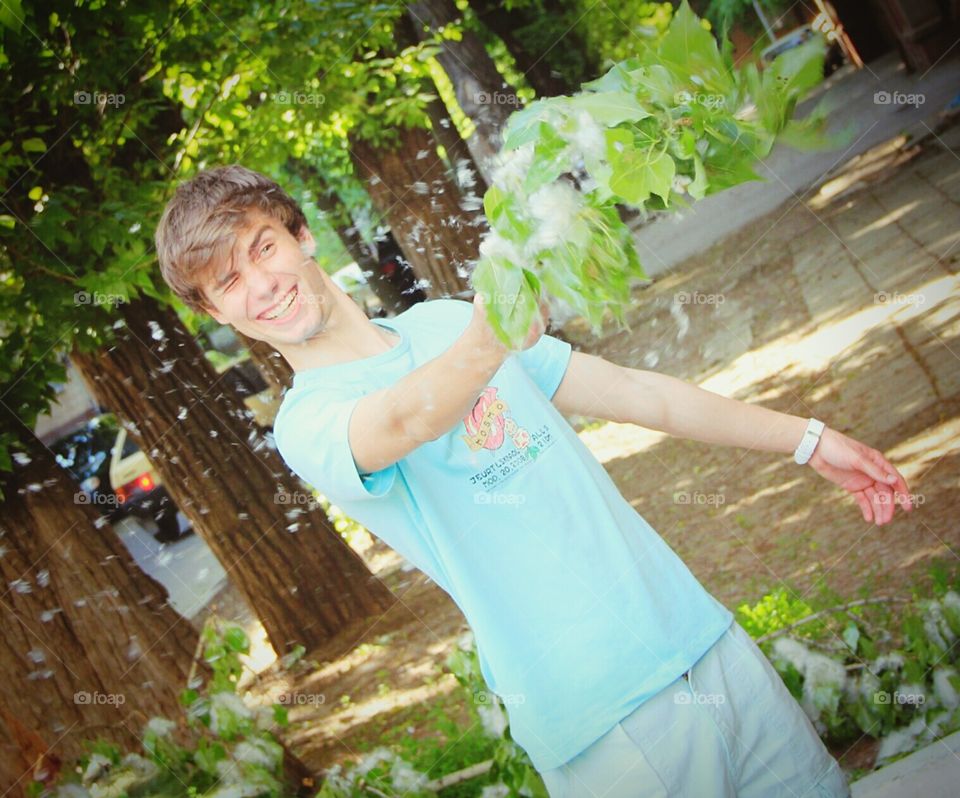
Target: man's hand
point(484, 333)
point(864, 472)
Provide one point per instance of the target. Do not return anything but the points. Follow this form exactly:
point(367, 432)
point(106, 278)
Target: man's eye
point(265, 247)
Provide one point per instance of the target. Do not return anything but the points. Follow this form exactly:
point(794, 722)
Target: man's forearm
point(686, 411)
point(435, 397)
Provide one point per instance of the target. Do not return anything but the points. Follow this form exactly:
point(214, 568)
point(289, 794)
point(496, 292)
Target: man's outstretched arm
point(597, 388)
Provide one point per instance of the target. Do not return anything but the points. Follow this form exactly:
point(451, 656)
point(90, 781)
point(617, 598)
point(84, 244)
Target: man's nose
point(263, 284)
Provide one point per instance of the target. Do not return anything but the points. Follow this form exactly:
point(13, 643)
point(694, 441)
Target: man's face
point(269, 289)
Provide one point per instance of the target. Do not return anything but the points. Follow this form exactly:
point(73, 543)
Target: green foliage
point(863, 671)
point(400, 770)
point(227, 749)
point(725, 13)
point(676, 119)
point(775, 611)
point(120, 103)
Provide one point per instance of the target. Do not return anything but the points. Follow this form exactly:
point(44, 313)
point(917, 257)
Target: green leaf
point(508, 292)
point(11, 15)
point(7, 221)
point(548, 159)
point(638, 173)
point(691, 53)
point(698, 188)
point(34, 145)
point(609, 107)
point(523, 126)
point(236, 640)
point(851, 635)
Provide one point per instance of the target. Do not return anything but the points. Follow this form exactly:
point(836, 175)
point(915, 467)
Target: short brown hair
point(200, 224)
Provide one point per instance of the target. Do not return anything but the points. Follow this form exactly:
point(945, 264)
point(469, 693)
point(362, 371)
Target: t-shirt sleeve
point(546, 362)
point(313, 441)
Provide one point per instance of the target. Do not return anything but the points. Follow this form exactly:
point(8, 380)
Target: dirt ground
point(780, 339)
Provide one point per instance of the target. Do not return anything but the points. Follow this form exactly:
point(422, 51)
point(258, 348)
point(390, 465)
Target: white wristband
point(811, 437)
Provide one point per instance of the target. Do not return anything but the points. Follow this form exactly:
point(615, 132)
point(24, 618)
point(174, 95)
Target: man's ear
point(308, 244)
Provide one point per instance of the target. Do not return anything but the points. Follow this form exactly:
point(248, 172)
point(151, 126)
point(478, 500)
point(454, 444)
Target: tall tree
point(485, 97)
point(395, 289)
point(408, 185)
point(546, 38)
point(278, 547)
point(90, 646)
point(497, 21)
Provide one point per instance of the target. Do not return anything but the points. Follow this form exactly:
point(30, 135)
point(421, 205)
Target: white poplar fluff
point(587, 137)
point(887, 662)
point(494, 718)
point(557, 210)
point(900, 741)
point(405, 778)
point(371, 760)
point(224, 705)
point(257, 752)
point(511, 167)
point(161, 727)
point(946, 693)
point(824, 679)
point(499, 790)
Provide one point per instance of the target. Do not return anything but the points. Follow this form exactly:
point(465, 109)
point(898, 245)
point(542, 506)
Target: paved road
point(186, 568)
point(672, 238)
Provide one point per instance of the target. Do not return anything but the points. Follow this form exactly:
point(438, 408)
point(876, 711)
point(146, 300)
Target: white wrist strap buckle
point(811, 437)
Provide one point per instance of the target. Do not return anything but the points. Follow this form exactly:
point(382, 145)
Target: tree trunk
point(279, 548)
point(393, 283)
point(90, 646)
point(456, 149)
point(504, 23)
point(481, 91)
point(411, 190)
point(271, 364)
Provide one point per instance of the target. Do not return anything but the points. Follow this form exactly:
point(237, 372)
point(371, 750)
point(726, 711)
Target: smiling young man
point(622, 675)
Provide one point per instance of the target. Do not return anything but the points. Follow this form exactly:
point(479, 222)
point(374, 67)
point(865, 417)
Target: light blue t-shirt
point(580, 610)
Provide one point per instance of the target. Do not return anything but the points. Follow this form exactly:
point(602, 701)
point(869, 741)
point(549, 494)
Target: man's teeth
point(283, 308)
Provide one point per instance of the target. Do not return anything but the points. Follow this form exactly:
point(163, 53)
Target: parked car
point(114, 476)
point(85, 453)
point(138, 488)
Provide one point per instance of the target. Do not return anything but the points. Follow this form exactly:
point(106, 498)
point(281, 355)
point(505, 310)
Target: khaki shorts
point(731, 728)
